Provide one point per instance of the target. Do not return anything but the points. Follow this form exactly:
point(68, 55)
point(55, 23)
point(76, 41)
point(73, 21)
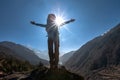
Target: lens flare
point(59, 20)
point(60, 17)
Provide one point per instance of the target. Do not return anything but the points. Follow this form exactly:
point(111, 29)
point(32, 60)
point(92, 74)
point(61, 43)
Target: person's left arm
point(66, 22)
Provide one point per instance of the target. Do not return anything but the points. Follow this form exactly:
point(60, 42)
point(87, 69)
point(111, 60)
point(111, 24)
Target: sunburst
point(59, 20)
point(60, 17)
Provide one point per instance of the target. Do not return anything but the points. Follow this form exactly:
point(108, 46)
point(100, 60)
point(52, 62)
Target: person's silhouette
point(53, 38)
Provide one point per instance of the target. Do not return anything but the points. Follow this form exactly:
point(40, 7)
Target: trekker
point(53, 38)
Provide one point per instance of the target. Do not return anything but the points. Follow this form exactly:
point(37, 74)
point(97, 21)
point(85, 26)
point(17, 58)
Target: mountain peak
point(114, 29)
point(20, 51)
point(117, 27)
point(102, 51)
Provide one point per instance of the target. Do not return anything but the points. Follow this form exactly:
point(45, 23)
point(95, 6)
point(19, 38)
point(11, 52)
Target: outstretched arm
point(66, 22)
point(37, 24)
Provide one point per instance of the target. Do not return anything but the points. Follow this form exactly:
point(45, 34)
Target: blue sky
point(93, 18)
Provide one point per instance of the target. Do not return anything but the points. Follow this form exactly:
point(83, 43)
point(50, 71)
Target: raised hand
point(32, 22)
point(72, 20)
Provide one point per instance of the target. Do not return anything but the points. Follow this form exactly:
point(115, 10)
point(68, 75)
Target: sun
point(60, 17)
point(59, 20)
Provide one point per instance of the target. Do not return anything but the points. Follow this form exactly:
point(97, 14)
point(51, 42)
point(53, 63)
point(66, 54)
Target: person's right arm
point(37, 24)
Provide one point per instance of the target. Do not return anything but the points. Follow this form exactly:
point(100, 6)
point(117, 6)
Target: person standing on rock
point(53, 38)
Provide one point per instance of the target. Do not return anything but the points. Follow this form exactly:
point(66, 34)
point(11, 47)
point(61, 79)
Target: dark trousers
point(53, 50)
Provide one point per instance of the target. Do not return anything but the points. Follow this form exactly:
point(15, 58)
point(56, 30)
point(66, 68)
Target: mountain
point(107, 73)
point(66, 56)
point(101, 52)
point(42, 54)
point(44, 73)
point(10, 64)
point(21, 52)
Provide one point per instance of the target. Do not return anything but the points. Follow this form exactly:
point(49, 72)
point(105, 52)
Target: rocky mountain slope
point(43, 73)
point(10, 65)
point(101, 52)
point(66, 56)
point(107, 73)
point(20, 52)
point(12, 68)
